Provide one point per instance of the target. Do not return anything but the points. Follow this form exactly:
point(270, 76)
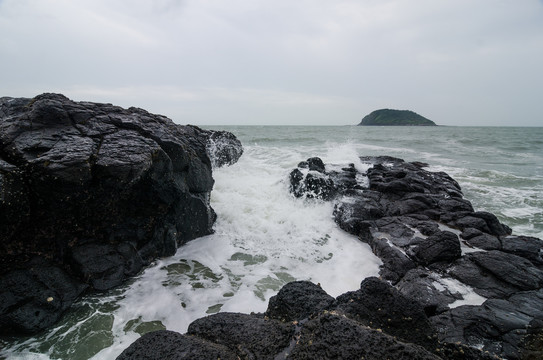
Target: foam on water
point(264, 238)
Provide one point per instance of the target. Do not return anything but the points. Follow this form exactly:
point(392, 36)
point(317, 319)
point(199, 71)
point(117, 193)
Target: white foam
point(469, 297)
point(264, 238)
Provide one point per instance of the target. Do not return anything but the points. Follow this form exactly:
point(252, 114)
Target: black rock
point(496, 273)
point(223, 147)
point(169, 345)
point(499, 326)
point(250, 337)
point(420, 285)
point(510, 268)
point(330, 336)
point(316, 164)
point(99, 190)
point(297, 300)
point(381, 306)
point(101, 265)
point(485, 242)
point(396, 263)
point(442, 246)
point(316, 182)
point(528, 247)
point(34, 298)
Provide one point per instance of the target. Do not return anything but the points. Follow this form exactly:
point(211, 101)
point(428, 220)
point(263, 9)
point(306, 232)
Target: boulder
point(297, 300)
point(250, 337)
point(442, 246)
point(507, 327)
point(34, 298)
point(223, 147)
point(381, 306)
point(424, 286)
point(330, 336)
point(98, 190)
point(169, 345)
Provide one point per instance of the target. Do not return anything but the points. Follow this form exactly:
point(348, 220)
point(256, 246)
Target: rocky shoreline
point(89, 195)
point(454, 284)
point(92, 193)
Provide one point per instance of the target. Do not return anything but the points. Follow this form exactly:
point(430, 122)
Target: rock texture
point(93, 193)
point(303, 322)
point(455, 283)
point(479, 285)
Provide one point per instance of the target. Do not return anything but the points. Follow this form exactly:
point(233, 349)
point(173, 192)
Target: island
point(389, 117)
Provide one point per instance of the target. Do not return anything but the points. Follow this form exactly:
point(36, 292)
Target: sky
point(282, 62)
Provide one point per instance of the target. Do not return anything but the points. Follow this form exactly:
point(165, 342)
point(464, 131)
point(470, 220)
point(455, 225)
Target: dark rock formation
point(388, 117)
point(298, 300)
point(379, 305)
point(330, 336)
point(311, 180)
point(169, 345)
point(34, 298)
point(97, 190)
point(250, 337)
point(460, 286)
point(440, 253)
point(375, 322)
point(223, 147)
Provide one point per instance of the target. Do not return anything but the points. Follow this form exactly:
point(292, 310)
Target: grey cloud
point(277, 62)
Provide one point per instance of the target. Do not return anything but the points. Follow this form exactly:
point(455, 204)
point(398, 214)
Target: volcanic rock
point(164, 344)
point(97, 190)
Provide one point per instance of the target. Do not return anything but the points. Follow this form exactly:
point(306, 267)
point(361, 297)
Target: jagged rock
point(496, 273)
point(99, 190)
point(525, 246)
point(330, 336)
point(35, 298)
point(396, 263)
point(297, 300)
point(381, 306)
point(250, 337)
point(169, 345)
point(442, 246)
point(223, 147)
point(315, 182)
point(420, 285)
point(499, 326)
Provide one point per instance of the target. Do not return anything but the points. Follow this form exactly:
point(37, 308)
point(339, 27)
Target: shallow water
point(265, 238)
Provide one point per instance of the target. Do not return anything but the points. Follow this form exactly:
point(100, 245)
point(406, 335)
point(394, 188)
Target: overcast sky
point(314, 62)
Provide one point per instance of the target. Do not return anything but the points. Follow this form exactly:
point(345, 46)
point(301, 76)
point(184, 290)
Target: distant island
point(389, 117)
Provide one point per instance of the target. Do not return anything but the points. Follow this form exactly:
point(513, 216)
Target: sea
point(265, 238)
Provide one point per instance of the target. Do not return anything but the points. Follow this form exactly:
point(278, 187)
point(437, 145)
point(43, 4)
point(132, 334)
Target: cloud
point(453, 61)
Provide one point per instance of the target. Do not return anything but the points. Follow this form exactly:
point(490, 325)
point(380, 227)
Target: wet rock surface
point(455, 283)
point(169, 345)
point(250, 337)
point(374, 322)
point(463, 266)
point(97, 192)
